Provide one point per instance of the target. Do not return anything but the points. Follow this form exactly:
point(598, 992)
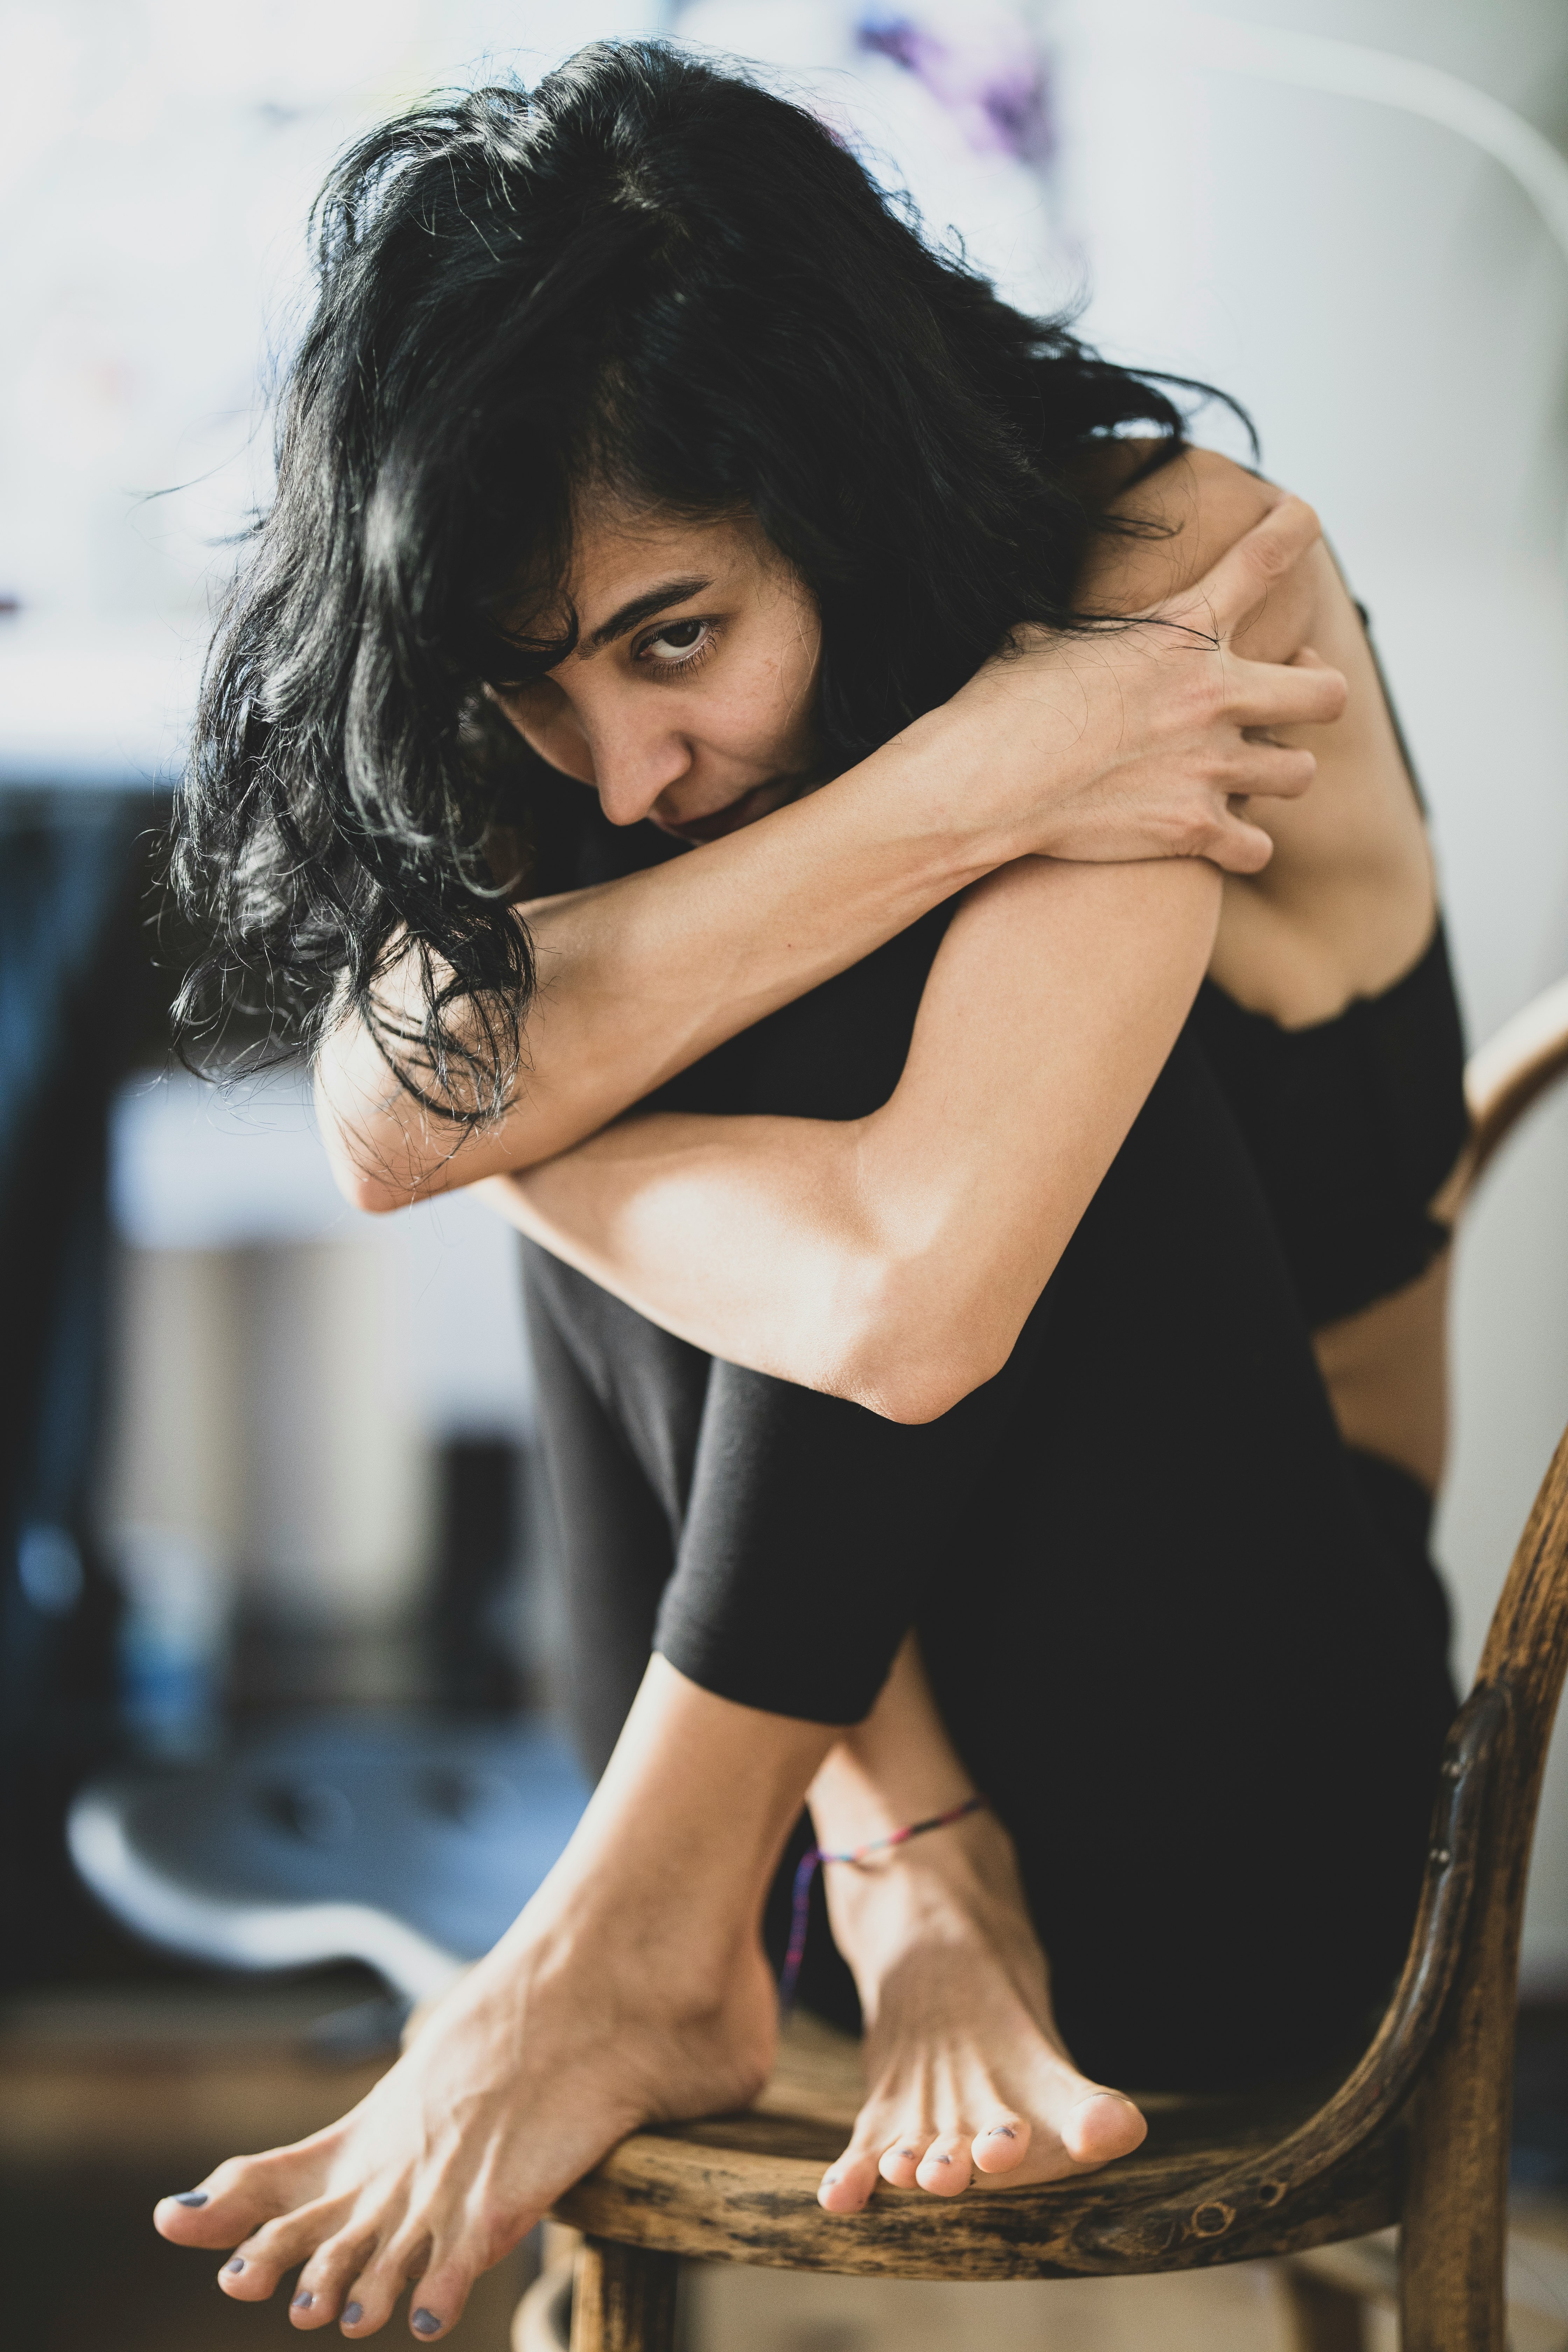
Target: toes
point(327, 2277)
point(1004, 2143)
point(436, 2302)
point(846, 2187)
point(238, 2196)
point(1102, 2127)
point(945, 2169)
point(373, 2295)
point(260, 2260)
point(899, 2162)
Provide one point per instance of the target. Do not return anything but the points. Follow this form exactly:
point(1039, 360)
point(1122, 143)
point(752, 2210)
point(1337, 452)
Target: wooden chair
point(1418, 2134)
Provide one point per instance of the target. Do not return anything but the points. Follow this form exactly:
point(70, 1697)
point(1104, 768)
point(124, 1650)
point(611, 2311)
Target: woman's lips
point(758, 801)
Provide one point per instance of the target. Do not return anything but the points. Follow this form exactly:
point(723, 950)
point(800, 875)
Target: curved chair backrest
point(1504, 1077)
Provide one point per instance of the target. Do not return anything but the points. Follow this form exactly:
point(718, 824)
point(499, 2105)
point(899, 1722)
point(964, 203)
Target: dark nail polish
point(945, 2160)
point(352, 2313)
point(303, 2300)
point(1002, 2131)
point(425, 2322)
point(237, 2264)
point(192, 2197)
point(908, 2151)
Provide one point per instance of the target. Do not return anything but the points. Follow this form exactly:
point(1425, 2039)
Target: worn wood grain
point(1451, 2296)
point(743, 2187)
point(623, 2299)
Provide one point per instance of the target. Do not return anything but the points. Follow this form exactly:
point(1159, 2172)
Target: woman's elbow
point(915, 1361)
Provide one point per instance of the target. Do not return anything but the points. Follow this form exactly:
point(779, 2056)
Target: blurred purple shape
point(983, 67)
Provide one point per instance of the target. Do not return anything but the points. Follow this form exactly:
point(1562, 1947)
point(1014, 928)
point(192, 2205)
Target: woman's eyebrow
point(643, 607)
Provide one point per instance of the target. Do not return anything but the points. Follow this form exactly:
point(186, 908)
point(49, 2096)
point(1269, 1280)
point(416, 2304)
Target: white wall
point(1388, 304)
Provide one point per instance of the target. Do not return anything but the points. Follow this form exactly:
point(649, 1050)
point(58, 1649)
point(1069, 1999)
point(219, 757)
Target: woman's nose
point(632, 766)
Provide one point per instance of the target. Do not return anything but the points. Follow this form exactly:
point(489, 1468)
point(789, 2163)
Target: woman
point(925, 1366)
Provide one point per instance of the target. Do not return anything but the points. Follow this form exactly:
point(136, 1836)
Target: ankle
point(851, 1807)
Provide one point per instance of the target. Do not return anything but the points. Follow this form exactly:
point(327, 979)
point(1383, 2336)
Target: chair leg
point(1453, 2237)
point(1323, 2317)
point(623, 2299)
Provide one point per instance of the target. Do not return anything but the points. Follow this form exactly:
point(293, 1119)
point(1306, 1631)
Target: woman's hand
point(1170, 726)
point(1119, 747)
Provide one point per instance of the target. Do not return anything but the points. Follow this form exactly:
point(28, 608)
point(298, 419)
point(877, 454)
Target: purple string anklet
point(800, 1908)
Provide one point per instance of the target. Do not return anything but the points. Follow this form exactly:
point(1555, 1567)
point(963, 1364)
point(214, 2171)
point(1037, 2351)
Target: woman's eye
point(675, 641)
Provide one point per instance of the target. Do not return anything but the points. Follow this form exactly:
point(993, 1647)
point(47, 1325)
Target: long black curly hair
point(663, 276)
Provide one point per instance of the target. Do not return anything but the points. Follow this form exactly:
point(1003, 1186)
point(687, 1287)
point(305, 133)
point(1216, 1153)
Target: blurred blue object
point(408, 1843)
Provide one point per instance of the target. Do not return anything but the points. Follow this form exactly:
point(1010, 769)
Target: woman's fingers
point(1304, 692)
point(1231, 592)
point(1234, 845)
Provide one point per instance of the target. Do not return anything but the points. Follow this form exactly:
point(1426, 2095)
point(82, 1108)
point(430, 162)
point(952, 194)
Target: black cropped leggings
point(1190, 1647)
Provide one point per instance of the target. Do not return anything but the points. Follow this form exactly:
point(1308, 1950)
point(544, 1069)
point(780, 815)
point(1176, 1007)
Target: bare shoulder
point(1347, 903)
point(1161, 530)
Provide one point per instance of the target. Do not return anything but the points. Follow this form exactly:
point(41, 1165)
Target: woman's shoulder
point(1347, 903)
point(1163, 520)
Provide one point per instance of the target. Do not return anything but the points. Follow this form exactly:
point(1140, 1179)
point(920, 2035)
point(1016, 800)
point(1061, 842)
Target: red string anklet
point(800, 1910)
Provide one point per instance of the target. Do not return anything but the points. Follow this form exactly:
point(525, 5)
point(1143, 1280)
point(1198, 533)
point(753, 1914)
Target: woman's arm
point(1124, 746)
point(893, 1260)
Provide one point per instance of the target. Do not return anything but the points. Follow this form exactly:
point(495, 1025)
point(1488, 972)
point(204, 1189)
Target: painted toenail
point(237, 2264)
point(941, 2159)
point(1002, 2131)
point(303, 2300)
point(425, 2323)
point(352, 2313)
point(192, 2197)
point(908, 2151)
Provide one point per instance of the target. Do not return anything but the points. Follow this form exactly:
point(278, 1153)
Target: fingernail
point(191, 2197)
point(425, 2323)
point(1002, 2131)
point(303, 2300)
point(352, 2313)
point(237, 2264)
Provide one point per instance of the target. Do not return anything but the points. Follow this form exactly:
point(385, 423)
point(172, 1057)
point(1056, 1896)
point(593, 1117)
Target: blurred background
point(269, 1467)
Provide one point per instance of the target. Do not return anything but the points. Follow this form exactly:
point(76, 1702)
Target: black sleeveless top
point(1354, 1123)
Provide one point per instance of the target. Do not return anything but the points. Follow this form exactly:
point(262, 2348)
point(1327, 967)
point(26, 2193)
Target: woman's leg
point(966, 2070)
point(1198, 1669)
point(1173, 1643)
point(632, 1988)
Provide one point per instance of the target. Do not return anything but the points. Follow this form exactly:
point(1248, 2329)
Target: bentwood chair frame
point(1417, 2135)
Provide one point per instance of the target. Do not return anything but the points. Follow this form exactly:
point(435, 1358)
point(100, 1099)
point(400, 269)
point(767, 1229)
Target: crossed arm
point(890, 1260)
point(893, 1260)
point(1124, 747)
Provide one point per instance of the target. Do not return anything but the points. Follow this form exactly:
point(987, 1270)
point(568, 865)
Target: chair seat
point(743, 2187)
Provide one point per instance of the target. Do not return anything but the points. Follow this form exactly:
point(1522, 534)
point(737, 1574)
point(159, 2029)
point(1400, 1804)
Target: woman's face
point(689, 696)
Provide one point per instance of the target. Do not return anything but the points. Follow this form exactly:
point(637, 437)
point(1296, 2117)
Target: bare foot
point(551, 2049)
point(967, 2073)
point(632, 1990)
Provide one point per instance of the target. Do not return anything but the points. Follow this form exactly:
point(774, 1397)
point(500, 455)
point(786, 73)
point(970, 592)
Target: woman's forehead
point(619, 556)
